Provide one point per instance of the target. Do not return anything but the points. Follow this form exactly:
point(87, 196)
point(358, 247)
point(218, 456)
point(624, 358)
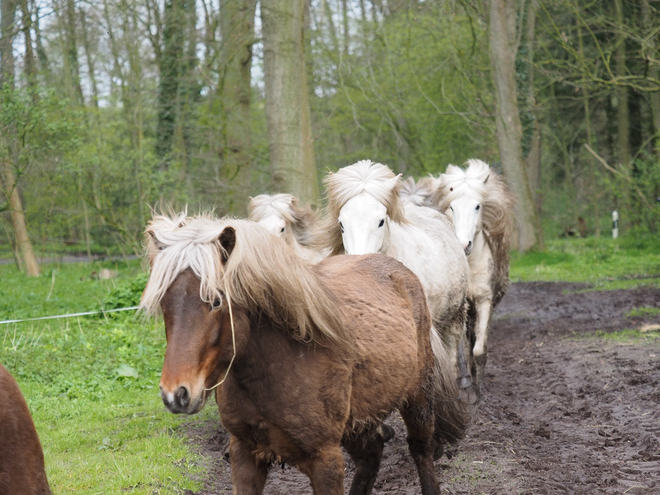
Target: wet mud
point(565, 408)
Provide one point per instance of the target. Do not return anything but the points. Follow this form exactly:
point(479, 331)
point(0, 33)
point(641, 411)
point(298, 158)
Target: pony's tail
point(451, 410)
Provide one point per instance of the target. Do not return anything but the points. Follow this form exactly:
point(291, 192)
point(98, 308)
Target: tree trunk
point(7, 69)
point(170, 73)
point(71, 59)
point(623, 115)
point(503, 50)
point(23, 244)
point(647, 21)
point(287, 100)
point(593, 186)
point(44, 65)
point(237, 28)
point(30, 67)
point(90, 59)
point(533, 158)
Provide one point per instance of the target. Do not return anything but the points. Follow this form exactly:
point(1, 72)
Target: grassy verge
point(603, 263)
point(92, 386)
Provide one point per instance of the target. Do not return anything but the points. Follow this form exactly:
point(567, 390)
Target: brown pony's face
point(199, 344)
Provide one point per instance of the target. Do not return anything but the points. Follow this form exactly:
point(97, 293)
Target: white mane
point(364, 176)
point(262, 206)
point(417, 193)
point(456, 182)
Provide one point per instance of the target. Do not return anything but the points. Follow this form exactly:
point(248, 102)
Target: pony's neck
point(479, 246)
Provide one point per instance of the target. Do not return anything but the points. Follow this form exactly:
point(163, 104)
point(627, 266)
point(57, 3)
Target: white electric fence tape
point(70, 315)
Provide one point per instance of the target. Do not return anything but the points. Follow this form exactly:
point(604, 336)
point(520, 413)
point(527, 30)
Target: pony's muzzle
point(178, 401)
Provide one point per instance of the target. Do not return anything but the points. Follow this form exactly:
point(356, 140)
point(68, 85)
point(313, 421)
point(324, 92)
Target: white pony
point(281, 215)
point(417, 193)
point(481, 208)
point(366, 215)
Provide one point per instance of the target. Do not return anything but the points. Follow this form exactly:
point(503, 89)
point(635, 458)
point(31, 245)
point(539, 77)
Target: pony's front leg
point(483, 307)
point(248, 474)
point(326, 471)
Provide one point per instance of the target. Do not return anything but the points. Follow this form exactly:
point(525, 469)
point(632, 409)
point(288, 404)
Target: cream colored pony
point(366, 215)
point(283, 217)
point(481, 208)
point(417, 193)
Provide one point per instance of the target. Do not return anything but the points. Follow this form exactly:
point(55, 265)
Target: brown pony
point(22, 470)
point(303, 359)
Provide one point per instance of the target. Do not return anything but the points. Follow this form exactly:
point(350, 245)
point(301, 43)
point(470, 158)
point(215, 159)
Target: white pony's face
point(465, 213)
point(274, 224)
point(364, 223)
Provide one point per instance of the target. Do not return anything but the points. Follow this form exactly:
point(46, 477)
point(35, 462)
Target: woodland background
point(108, 107)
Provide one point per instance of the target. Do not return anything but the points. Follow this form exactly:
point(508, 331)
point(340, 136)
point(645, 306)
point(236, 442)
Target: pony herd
point(312, 329)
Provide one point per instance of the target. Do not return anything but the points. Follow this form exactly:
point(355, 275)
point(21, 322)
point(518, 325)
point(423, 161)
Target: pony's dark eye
point(451, 208)
point(451, 189)
point(382, 222)
point(478, 206)
point(216, 303)
point(341, 226)
point(282, 230)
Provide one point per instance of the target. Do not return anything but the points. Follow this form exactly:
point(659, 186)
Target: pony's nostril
point(182, 397)
point(469, 246)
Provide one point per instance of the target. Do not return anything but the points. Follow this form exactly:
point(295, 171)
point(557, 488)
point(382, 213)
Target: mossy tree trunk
point(287, 100)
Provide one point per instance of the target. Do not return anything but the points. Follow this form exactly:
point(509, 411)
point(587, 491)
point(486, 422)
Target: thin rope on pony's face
point(233, 341)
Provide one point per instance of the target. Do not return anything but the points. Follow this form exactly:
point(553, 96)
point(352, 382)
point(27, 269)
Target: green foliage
point(415, 96)
point(127, 293)
point(92, 388)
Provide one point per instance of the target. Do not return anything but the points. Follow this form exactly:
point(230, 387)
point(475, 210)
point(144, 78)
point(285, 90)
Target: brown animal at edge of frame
point(22, 470)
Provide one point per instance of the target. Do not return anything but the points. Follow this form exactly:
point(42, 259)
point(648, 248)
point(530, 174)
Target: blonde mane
point(301, 219)
point(261, 274)
point(363, 177)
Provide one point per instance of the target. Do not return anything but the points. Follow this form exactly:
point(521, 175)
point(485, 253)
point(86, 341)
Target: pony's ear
point(486, 179)
point(390, 184)
point(227, 240)
point(154, 240)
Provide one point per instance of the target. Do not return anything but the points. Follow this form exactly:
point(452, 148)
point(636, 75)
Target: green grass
point(629, 335)
point(602, 263)
point(643, 312)
point(92, 386)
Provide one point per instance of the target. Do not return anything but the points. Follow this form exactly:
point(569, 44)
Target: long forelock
point(193, 246)
point(300, 219)
point(261, 274)
point(265, 205)
point(457, 182)
point(365, 177)
point(416, 192)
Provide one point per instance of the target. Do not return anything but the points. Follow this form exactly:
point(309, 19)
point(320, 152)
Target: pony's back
point(357, 281)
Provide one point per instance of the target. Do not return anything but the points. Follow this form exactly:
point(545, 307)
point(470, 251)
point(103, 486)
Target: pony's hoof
point(465, 382)
point(386, 432)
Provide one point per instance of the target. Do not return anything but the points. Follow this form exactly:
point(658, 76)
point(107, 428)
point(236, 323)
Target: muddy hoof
point(465, 382)
point(386, 432)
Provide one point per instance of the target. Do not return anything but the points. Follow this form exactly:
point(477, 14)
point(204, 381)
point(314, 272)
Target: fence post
point(615, 224)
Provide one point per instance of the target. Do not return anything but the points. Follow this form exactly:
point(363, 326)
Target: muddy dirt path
point(564, 411)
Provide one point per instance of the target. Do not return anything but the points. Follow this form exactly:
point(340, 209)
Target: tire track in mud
point(563, 411)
